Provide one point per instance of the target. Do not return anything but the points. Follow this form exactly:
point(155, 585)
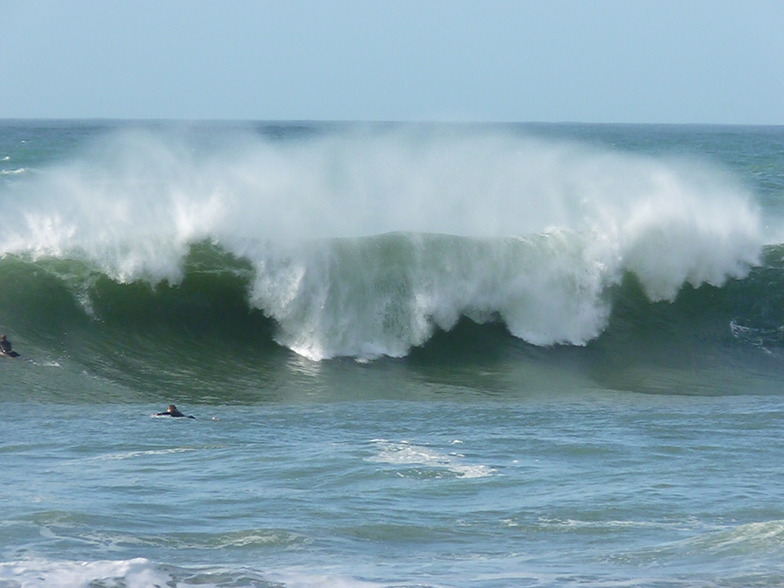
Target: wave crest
point(364, 242)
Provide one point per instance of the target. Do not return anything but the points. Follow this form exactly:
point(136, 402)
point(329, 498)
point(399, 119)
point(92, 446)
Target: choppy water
point(508, 355)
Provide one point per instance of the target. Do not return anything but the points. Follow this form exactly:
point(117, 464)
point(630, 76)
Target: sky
point(633, 61)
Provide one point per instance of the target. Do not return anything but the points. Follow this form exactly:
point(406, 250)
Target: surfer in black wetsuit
point(5, 347)
point(172, 411)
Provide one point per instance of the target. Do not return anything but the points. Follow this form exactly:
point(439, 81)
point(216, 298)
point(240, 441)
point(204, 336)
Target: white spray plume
point(547, 226)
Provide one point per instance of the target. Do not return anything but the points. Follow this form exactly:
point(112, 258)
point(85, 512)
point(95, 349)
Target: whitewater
point(418, 354)
point(363, 242)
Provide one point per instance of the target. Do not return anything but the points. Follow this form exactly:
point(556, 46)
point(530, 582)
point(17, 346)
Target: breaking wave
point(364, 243)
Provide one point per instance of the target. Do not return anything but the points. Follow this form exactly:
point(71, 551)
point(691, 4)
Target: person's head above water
point(171, 410)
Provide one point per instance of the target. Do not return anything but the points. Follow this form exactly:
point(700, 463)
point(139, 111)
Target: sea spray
point(382, 295)
point(365, 241)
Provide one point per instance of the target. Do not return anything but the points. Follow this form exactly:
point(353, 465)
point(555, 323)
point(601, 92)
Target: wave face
point(365, 242)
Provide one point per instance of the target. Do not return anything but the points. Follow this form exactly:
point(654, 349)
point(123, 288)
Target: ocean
point(418, 355)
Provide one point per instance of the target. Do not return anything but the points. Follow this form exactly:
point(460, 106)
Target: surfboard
point(11, 355)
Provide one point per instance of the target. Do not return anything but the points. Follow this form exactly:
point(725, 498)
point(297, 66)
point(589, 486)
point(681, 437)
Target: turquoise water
point(597, 488)
point(521, 355)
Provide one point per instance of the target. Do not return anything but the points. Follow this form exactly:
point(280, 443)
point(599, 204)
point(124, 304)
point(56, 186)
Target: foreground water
point(588, 395)
point(595, 488)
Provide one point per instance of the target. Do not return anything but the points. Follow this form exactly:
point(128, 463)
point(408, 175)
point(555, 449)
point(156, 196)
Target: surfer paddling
point(6, 348)
point(172, 411)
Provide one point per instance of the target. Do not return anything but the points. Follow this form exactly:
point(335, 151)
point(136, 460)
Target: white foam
point(135, 454)
point(141, 573)
point(546, 227)
point(405, 453)
point(135, 573)
point(297, 579)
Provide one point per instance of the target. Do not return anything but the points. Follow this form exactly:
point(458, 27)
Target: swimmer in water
point(172, 411)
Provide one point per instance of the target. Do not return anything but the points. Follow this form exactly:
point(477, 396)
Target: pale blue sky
point(679, 61)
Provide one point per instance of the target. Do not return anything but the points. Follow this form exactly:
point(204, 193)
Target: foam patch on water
point(142, 573)
point(133, 573)
point(142, 453)
point(403, 453)
point(294, 579)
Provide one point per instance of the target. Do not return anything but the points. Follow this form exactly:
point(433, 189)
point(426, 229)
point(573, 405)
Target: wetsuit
point(5, 348)
point(174, 413)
